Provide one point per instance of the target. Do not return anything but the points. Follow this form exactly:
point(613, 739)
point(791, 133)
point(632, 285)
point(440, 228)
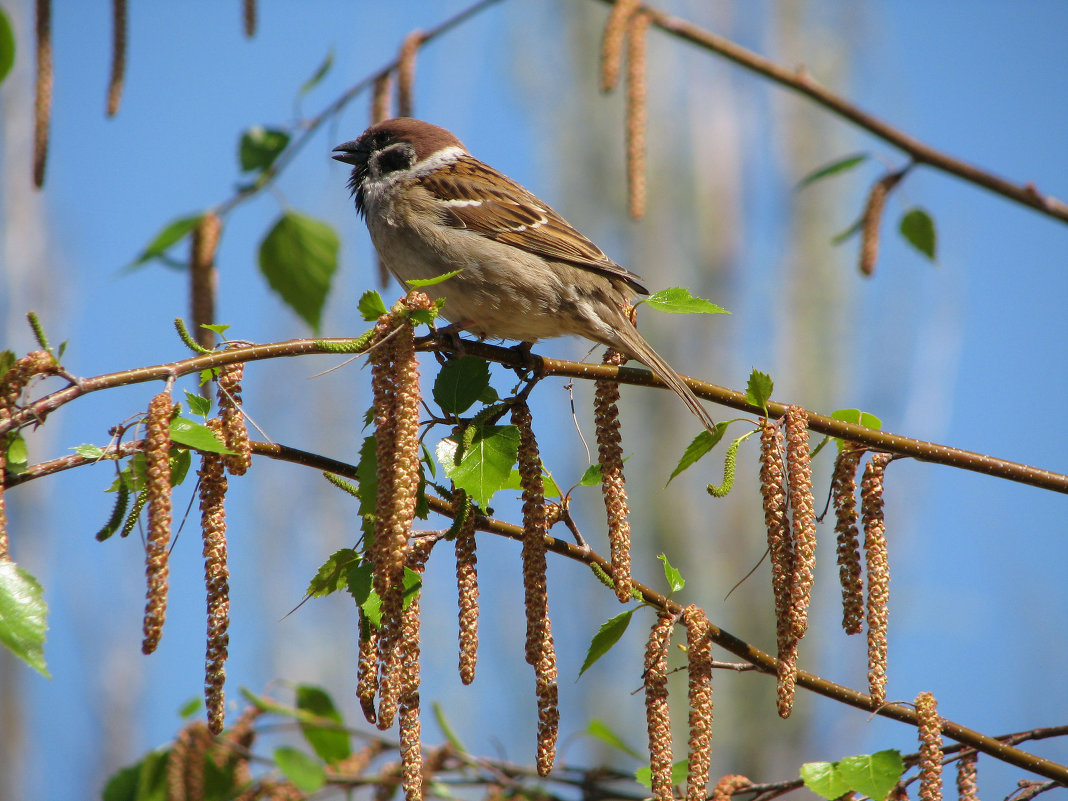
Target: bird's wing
point(475, 196)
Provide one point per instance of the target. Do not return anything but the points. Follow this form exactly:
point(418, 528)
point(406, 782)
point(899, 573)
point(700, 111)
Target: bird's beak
point(346, 153)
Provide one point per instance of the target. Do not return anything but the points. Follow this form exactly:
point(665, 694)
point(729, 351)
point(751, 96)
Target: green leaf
point(873, 775)
point(190, 707)
point(7, 45)
point(318, 75)
point(371, 305)
point(758, 390)
point(446, 728)
point(834, 168)
point(218, 328)
point(678, 300)
point(859, 417)
point(592, 477)
point(919, 230)
point(333, 575)
point(607, 636)
point(18, 456)
point(260, 147)
point(599, 730)
point(460, 383)
point(145, 781)
point(330, 743)
point(180, 460)
point(358, 582)
point(701, 444)
point(198, 404)
point(849, 232)
point(419, 283)
point(674, 578)
point(89, 451)
point(515, 482)
point(195, 435)
point(169, 236)
point(485, 465)
point(23, 616)
point(644, 776)
point(303, 770)
point(823, 779)
point(299, 258)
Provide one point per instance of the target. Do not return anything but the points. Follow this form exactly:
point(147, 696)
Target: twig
point(799, 81)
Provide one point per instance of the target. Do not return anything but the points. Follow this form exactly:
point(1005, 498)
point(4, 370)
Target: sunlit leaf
point(305, 771)
point(23, 615)
point(261, 146)
point(419, 283)
point(674, 578)
point(299, 258)
point(330, 743)
point(701, 444)
point(607, 636)
point(169, 236)
point(758, 389)
point(678, 300)
point(196, 435)
point(460, 383)
point(485, 465)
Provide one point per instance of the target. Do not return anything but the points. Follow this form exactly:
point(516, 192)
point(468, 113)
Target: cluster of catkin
point(389, 654)
point(626, 28)
point(786, 489)
point(540, 651)
point(12, 383)
point(613, 485)
point(229, 428)
point(699, 665)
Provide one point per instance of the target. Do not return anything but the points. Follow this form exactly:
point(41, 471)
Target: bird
point(525, 274)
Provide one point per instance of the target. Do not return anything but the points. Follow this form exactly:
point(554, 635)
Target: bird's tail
point(633, 344)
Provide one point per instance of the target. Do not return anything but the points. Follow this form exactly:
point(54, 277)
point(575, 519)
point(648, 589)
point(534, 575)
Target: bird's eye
point(396, 157)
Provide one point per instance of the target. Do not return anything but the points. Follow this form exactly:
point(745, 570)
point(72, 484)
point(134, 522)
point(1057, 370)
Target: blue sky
point(970, 352)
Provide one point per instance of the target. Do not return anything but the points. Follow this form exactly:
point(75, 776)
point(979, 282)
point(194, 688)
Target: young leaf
point(592, 477)
point(849, 232)
point(485, 465)
point(823, 779)
point(859, 417)
point(599, 730)
point(218, 328)
point(190, 707)
point(195, 435)
point(145, 781)
point(759, 388)
point(298, 257)
point(446, 728)
point(318, 75)
point(679, 771)
point(919, 230)
point(515, 482)
point(371, 305)
point(834, 168)
point(678, 300)
point(873, 775)
point(333, 575)
point(18, 456)
point(303, 770)
point(460, 383)
point(607, 636)
point(7, 45)
point(419, 283)
point(260, 147)
point(701, 444)
point(89, 451)
point(674, 578)
point(171, 234)
point(23, 616)
point(330, 743)
point(198, 404)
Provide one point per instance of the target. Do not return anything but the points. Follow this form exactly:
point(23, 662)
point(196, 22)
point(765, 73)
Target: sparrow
point(525, 274)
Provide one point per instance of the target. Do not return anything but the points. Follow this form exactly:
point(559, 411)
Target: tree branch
point(799, 81)
point(37, 411)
